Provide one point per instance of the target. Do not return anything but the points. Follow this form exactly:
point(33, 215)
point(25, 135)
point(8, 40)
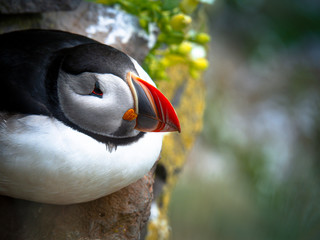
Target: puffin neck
point(104, 139)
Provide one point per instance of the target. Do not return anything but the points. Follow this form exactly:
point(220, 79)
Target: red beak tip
point(167, 116)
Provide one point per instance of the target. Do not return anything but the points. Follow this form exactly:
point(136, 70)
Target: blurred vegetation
point(261, 130)
point(261, 24)
point(177, 36)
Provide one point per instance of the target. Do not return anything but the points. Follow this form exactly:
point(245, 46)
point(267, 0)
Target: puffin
point(78, 119)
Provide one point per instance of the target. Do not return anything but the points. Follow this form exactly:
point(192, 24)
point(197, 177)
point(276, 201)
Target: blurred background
point(255, 170)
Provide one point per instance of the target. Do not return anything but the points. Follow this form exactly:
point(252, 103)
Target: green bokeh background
point(255, 170)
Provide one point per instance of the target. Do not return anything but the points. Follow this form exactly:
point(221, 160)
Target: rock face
point(108, 25)
point(36, 6)
point(121, 215)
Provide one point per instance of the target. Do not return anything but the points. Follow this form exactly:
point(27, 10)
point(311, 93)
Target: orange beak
point(153, 111)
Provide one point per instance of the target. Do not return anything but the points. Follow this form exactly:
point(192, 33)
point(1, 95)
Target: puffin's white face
point(97, 103)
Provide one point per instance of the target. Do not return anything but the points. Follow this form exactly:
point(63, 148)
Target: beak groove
point(154, 111)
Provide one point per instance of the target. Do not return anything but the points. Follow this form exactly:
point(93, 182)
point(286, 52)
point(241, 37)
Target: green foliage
point(175, 33)
point(263, 25)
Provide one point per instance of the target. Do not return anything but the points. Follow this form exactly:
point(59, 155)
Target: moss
point(176, 146)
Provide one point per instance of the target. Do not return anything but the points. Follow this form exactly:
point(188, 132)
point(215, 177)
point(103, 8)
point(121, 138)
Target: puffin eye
point(97, 91)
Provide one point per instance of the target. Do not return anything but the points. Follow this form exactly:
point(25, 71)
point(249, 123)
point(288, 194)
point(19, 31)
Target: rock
point(108, 25)
point(36, 6)
point(120, 215)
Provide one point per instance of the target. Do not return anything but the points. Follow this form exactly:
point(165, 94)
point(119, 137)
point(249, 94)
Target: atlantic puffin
point(78, 119)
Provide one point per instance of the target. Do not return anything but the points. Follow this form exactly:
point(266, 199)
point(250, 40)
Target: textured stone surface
point(105, 24)
point(121, 215)
point(36, 6)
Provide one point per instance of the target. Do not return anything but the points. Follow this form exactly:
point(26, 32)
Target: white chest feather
point(41, 159)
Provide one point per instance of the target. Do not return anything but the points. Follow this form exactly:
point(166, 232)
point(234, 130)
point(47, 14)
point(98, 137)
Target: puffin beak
point(153, 111)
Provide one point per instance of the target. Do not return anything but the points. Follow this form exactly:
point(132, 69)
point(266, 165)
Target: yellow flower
point(200, 63)
point(184, 48)
point(188, 6)
point(180, 21)
point(202, 38)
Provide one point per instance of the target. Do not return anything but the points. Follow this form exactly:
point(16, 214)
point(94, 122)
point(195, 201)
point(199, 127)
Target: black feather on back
point(24, 60)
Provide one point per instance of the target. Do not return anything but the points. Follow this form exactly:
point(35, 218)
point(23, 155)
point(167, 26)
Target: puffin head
point(104, 91)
